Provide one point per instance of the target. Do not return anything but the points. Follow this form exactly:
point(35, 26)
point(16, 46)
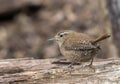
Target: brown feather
point(103, 37)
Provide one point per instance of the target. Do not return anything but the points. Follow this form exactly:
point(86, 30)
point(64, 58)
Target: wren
point(78, 47)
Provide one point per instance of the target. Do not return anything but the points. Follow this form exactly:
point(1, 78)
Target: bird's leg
point(69, 68)
point(91, 62)
point(90, 66)
point(70, 65)
point(72, 62)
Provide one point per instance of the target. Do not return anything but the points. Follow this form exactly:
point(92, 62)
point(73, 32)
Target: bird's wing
point(79, 45)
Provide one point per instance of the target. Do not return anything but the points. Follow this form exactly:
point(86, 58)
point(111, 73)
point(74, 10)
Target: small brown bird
point(78, 47)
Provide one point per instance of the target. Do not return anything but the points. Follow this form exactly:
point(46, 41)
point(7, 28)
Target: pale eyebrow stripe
point(64, 33)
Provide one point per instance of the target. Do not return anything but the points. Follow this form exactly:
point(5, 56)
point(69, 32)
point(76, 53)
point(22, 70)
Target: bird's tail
point(103, 37)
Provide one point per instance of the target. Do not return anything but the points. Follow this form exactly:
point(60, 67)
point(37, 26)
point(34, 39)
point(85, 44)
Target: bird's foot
point(90, 67)
point(69, 69)
point(70, 66)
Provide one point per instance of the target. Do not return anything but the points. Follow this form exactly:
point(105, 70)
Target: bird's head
point(61, 36)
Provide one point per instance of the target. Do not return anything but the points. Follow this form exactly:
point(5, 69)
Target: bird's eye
point(61, 35)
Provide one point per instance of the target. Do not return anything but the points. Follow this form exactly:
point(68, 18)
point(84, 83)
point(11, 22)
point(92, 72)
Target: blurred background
point(25, 25)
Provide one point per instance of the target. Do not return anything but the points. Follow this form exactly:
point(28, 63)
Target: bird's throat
point(60, 43)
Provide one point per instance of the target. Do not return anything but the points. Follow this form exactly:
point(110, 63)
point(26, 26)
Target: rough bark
point(34, 71)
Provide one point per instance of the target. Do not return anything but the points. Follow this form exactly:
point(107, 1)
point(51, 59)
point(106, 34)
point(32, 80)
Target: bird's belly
point(78, 56)
point(81, 56)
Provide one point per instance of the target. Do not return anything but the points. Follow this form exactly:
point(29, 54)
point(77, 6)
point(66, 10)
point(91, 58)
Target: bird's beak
point(51, 39)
